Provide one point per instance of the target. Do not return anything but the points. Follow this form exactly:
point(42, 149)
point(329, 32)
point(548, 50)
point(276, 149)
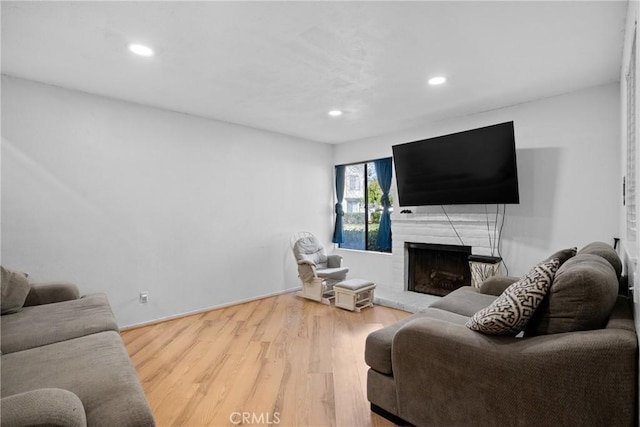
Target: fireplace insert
point(437, 269)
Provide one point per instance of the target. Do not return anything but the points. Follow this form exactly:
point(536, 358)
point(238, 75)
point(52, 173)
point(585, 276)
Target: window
point(630, 196)
point(353, 206)
point(354, 182)
point(365, 207)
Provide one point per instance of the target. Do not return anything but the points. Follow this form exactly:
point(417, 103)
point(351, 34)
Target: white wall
point(568, 150)
point(122, 198)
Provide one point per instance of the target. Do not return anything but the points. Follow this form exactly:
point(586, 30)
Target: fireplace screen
point(438, 269)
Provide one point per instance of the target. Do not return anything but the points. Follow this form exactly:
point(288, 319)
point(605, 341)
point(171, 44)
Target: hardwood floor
point(281, 361)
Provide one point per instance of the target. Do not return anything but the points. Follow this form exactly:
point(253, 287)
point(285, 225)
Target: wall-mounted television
point(477, 166)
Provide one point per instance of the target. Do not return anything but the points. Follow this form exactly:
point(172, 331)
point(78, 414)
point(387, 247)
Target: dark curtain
point(383, 171)
point(338, 232)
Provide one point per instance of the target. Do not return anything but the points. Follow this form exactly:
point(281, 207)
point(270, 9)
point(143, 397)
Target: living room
point(125, 194)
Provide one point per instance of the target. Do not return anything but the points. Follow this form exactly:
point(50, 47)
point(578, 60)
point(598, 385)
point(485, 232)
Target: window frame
point(365, 187)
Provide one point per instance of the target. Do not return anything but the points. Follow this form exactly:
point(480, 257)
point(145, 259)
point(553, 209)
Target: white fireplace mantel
point(477, 230)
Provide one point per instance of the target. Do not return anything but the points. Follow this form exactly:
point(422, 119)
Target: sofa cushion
point(605, 251)
point(15, 288)
point(563, 255)
point(511, 311)
point(377, 353)
point(581, 297)
point(49, 323)
point(496, 285)
point(50, 292)
point(96, 368)
point(465, 301)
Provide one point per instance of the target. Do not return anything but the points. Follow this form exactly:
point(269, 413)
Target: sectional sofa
point(573, 363)
point(63, 361)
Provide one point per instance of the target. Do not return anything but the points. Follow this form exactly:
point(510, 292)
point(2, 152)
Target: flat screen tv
point(477, 166)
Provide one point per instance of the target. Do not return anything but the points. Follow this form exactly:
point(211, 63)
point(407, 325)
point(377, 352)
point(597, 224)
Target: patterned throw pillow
point(510, 312)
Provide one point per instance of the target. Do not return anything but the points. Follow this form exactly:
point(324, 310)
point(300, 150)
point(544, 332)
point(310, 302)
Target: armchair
point(317, 270)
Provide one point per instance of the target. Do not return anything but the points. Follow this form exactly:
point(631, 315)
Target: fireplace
point(437, 269)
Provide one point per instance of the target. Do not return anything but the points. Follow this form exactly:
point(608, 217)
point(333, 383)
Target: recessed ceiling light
point(335, 113)
point(140, 49)
point(437, 80)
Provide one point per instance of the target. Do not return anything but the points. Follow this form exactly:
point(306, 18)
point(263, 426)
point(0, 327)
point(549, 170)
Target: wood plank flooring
point(281, 360)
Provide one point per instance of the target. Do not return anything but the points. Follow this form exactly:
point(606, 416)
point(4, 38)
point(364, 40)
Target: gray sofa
point(575, 363)
point(63, 361)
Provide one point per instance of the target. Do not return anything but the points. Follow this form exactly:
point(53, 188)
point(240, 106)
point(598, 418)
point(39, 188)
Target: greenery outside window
point(364, 206)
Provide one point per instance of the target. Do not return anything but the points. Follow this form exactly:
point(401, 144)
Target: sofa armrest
point(334, 261)
point(50, 292)
point(495, 285)
point(462, 376)
point(45, 406)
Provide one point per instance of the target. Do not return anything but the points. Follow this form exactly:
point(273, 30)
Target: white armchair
point(317, 270)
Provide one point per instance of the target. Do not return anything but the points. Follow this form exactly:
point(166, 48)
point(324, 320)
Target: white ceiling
point(282, 66)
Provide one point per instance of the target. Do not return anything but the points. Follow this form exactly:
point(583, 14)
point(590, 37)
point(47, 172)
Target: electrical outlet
point(144, 297)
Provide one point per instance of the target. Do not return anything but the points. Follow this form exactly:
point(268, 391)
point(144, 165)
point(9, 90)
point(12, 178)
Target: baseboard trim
point(204, 310)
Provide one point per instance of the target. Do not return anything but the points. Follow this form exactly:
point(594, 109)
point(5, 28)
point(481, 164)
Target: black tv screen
point(472, 167)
